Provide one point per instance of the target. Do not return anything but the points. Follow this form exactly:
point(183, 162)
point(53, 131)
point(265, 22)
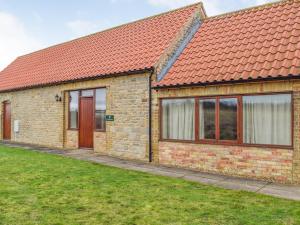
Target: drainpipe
point(150, 115)
point(64, 119)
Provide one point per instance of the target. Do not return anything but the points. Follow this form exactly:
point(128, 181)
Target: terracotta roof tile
point(130, 47)
point(255, 43)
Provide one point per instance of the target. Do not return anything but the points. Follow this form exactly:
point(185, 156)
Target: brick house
point(230, 102)
point(217, 94)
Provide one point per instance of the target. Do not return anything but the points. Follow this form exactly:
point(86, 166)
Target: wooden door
point(6, 121)
point(86, 122)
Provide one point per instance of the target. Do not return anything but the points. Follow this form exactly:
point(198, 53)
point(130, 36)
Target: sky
point(26, 26)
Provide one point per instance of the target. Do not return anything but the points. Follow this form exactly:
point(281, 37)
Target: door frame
point(79, 114)
point(4, 103)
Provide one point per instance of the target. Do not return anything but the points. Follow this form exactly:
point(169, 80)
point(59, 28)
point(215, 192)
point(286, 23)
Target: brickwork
point(280, 165)
point(44, 121)
point(267, 164)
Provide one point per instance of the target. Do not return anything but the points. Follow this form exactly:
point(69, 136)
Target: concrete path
point(277, 190)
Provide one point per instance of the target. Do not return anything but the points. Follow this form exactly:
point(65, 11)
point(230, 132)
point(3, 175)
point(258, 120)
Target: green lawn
point(38, 188)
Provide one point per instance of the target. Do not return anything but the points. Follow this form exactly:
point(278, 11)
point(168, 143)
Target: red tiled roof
point(131, 47)
point(257, 43)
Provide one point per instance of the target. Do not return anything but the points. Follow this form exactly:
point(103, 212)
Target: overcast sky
point(26, 26)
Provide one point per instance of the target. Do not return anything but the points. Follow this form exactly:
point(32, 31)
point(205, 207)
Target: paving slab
point(282, 193)
point(238, 185)
point(200, 179)
point(166, 173)
point(292, 188)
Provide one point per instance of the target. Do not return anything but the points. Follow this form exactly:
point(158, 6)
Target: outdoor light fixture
point(58, 98)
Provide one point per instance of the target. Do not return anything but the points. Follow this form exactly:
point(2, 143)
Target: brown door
point(6, 121)
point(86, 122)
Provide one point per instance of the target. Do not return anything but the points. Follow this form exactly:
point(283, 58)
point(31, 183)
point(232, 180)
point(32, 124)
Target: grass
point(37, 188)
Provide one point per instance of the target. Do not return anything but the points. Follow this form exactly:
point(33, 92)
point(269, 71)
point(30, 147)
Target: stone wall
point(100, 142)
point(127, 99)
point(41, 117)
point(280, 165)
point(296, 160)
point(44, 121)
point(71, 139)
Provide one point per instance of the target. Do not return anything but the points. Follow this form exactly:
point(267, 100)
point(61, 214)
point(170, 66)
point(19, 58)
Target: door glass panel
point(101, 99)
point(73, 108)
point(228, 119)
point(87, 93)
point(100, 109)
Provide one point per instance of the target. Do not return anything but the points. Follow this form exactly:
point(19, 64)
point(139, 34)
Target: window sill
point(229, 144)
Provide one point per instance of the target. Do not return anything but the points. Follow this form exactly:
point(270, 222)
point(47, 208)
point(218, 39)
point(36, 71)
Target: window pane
point(207, 113)
point(101, 99)
point(178, 119)
point(100, 120)
point(100, 109)
point(228, 119)
point(87, 93)
point(267, 119)
point(73, 109)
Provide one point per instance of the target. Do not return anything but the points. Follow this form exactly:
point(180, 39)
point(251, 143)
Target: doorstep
point(263, 187)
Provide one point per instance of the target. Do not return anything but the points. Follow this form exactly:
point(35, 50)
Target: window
point(73, 109)
point(100, 109)
point(178, 119)
point(99, 96)
point(218, 119)
point(267, 119)
point(87, 93)
point(207, 121)
point(228, 118)
point(248, 120)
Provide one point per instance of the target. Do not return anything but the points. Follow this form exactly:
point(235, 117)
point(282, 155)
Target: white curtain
point(178, 119)
point(202, 120)
point(267, 119)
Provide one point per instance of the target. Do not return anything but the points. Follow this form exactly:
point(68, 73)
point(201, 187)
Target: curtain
point(202, 119)
point(267, 119)
point(178, 119)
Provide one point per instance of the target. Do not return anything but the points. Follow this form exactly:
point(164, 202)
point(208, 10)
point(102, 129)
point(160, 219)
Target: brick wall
point(266, 164)
point(280, 165)
point(44, 121)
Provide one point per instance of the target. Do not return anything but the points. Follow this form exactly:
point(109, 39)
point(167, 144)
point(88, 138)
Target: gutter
point(64, 93)
point(91, 77)
point(287, 78)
